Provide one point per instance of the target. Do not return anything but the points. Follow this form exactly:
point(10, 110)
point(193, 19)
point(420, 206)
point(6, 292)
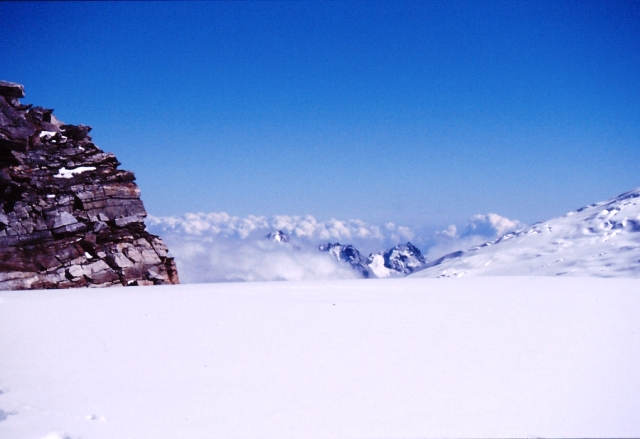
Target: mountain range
point(397, 261)
point(602, 239)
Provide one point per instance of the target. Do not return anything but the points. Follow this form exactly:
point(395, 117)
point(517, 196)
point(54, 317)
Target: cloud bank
point(232, 260)
point(218, 247)
point(307, 228)
point(478, 230)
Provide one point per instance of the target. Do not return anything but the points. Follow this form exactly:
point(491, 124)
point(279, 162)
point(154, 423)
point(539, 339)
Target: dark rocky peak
point(68, 216)
point(11, 89)
point(404, 258)
point(349, 254)
point(278, 236)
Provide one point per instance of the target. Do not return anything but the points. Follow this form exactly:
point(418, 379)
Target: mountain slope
point(602, 239)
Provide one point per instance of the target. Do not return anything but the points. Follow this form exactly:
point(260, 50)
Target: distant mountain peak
point(349, 254)
point(402, 260)
point(278, 236)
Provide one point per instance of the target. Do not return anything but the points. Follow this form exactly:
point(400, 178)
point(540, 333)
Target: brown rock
point(68, 216)
point(11, 89)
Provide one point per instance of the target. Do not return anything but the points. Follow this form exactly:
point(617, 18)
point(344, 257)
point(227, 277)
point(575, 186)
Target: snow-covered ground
point(602, 239)
point(394, 358)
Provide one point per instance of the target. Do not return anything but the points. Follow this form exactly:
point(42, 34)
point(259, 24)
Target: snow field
point(392, 358)
point(602, 239)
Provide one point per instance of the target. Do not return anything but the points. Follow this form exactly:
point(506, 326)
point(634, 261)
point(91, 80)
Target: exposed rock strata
point(68, 216)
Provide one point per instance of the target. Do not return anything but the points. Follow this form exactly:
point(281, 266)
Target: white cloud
point(490, 225)
point(450, 232)
point(304, 228)
point(478, 230)
point(230, 260)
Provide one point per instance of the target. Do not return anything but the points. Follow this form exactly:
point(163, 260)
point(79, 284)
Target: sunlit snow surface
point(599, 240)
point(394, 358)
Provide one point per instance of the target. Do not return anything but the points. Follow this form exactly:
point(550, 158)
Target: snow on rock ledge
point(68, 173)
point(68, 216)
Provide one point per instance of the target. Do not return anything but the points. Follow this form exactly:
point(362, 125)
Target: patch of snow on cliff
point(68, 173)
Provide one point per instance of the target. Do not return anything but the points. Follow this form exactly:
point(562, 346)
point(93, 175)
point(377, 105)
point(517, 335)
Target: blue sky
point(420, 113)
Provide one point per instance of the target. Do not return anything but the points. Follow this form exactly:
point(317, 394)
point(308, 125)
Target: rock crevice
point(68, 216)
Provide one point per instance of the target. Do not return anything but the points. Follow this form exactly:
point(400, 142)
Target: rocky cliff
point(68, 216)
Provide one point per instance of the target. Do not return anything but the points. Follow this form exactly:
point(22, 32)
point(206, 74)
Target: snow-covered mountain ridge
point(602, 239)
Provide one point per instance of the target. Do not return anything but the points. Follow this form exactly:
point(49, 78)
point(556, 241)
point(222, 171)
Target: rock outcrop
point(68, 216)
point(348, 254)
point(403, 259)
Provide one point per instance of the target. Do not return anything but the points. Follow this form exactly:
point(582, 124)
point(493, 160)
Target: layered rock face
point(68, 216)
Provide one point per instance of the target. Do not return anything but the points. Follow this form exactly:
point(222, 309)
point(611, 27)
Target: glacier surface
point(389, 358)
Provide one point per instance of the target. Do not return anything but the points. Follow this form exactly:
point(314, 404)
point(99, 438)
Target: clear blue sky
point(411, 112)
